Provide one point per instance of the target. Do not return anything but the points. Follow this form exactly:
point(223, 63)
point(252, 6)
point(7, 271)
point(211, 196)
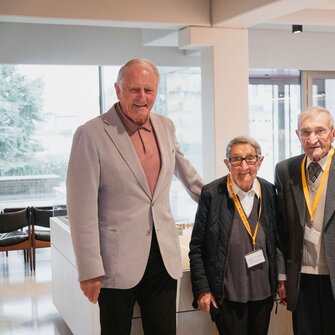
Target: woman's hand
point(204, 301)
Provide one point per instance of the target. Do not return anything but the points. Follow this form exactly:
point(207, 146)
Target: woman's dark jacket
point(211, 234)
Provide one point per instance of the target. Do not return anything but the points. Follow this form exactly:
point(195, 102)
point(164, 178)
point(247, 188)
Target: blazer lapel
point(298, 194)
point(330, 196)
point(118, 134)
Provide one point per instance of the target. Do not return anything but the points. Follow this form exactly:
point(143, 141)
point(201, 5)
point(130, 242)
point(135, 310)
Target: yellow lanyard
point(312, 209)
point(241, 211)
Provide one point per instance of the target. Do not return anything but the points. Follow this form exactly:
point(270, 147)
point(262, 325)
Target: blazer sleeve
point(82, 202)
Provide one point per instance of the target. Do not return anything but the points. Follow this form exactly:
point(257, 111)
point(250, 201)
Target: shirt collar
point(130, 125)
point(242, 194)
point(322, 162)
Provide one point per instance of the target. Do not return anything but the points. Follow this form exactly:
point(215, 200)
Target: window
point(274, 104)
point(179, 98)
point(41, 107)
point(320, 88)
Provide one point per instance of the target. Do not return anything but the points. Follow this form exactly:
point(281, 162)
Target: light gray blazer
point(292, 212)
point(110, 207)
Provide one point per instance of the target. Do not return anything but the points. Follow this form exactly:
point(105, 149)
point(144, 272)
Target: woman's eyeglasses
point(237, 161)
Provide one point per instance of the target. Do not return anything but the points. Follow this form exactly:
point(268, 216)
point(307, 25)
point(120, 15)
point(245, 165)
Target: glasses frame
point(241, 159)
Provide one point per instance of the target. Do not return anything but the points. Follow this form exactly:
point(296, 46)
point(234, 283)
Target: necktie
point(314, 170)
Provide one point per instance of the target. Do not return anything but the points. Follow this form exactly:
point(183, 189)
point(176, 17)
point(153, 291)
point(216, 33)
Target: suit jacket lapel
point(296, 186)
point(118, 134)
point(330, 196)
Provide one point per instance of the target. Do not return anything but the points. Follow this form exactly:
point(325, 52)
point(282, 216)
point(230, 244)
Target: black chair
point(40, 229)
point(15, 232)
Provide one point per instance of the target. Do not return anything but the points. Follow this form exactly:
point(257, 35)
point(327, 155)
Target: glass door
point(320, 89)
point(274, 103)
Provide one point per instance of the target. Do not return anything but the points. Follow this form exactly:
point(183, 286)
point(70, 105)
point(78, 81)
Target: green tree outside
point(20, 107)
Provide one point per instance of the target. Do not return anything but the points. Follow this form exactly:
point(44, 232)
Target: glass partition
point(274, 104)
point(42, 105)
point(179, 98)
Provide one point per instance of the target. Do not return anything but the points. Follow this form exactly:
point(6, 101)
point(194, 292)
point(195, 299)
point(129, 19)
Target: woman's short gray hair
point(142, 61)
point(243, 140)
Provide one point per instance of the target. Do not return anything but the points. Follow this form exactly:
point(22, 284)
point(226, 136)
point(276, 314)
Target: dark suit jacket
point(211, 234)
point(292, 212)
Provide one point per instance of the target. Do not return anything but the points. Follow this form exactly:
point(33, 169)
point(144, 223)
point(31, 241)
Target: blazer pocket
point(109, 248)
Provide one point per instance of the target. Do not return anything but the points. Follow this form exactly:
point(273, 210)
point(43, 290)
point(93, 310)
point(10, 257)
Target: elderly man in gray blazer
point(124, 235)
point(306, 204)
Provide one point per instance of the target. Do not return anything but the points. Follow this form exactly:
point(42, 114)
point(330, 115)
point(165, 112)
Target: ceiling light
point(296, 28)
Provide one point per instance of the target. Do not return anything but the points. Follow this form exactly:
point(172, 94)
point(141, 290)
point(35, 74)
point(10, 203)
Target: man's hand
point(282, 292)
point(204, 301)
point(91, 289)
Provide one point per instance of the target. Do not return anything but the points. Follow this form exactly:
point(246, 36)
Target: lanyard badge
point(256, 256)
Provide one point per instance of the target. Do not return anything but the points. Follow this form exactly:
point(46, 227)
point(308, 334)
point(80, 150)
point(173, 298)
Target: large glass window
point(274, 103)
point(179, 99)
point(41, 106)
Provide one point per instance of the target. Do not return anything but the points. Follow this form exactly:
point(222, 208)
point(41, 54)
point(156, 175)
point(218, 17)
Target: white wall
point(23, 43)
point(279, 49)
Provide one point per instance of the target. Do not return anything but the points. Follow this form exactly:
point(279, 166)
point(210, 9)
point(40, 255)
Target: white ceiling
point(316, 16)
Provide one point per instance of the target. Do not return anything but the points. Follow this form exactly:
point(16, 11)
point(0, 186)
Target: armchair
point(15, 232)
point(40, 230)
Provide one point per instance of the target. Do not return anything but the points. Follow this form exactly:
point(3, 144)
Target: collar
point(322, 162)
point(242, 194)
point(130, 125)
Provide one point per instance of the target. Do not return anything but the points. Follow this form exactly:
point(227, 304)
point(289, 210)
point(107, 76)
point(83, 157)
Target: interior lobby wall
point(26, 43)
point(278, 49)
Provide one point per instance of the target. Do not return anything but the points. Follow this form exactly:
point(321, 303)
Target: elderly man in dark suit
point(306, 206)
point(124, 234)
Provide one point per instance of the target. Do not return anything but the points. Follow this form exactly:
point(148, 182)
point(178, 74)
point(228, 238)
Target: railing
point(19, 187)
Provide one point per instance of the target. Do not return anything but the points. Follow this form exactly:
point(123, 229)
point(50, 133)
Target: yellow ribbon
point(241, 211)
point(312, 209)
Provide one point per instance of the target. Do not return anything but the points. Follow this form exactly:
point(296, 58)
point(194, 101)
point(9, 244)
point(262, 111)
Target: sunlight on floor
point(26, 306)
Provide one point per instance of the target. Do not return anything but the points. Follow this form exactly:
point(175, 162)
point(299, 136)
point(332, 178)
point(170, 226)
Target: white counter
point(82, 317)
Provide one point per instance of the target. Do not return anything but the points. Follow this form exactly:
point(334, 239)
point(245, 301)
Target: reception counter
point(82, 317)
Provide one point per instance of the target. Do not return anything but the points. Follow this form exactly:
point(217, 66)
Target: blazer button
point(148, 232)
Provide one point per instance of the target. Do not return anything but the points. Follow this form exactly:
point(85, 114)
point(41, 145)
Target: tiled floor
point(26, 306)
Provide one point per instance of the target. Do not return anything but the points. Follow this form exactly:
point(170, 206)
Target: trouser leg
point(116, 310)
point(259, 313)
point(157, 296)
point(306, 317)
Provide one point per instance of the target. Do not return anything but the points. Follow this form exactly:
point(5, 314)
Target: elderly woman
point(233, 245)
